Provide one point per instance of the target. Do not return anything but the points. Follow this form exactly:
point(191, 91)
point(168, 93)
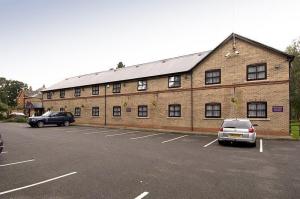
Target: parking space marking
point(261, 146)
point(142, 195)
point(98, 132)
point(4, 152)
point(38, 183)
point(135, 138)
point(122, 133)
point(174, 139)
point(210, 143)
point(25, 161)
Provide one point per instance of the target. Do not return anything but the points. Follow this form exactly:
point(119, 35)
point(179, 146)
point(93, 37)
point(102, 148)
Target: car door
point(52, 119)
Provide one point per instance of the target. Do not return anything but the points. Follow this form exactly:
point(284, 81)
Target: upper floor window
point(77, 111)
point(49, 95)
point(213, 76)
point(213, 110)
point(117, 111)
point(77, 92)
point(95, 90)
point(257, 72)
point(95, 111)
point(142, 85)
point(116, 88)
point(62, 93)
point(174, 81)
point(257, 109)
point(174, 110)
point(143, 111)
point(62, 110)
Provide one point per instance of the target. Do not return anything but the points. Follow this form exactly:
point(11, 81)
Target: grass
point(295, 125)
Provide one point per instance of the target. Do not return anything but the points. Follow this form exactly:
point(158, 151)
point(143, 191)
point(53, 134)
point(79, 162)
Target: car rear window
point(237, 124)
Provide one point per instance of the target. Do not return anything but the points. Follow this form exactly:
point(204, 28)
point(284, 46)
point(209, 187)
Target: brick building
point(239, 78)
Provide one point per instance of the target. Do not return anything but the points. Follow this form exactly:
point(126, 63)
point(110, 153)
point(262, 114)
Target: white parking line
point(142, 195)
point(4, 152)
point(174, 139)
point(98, 132)
point(4, 165)
point(146, 136)
point(261, 146)
point(122, 133)
point(210, 143)
point(38, 183)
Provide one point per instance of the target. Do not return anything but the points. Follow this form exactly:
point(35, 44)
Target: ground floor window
point(174, 110)
point(143, 111)
point(257, 109)
point(117, 111)
point(77, 111)
point(213, 110)
point(95, 111)
point(62, 110)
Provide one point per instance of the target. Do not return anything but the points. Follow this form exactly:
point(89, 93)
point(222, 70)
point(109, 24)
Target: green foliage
point(120, 65)
point(3, 107)
point(294, 49)
point(17, 119)
point(295, 129)
point(9, 90)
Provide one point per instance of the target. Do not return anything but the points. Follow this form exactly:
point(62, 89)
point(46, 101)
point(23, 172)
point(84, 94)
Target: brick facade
point(233, 93)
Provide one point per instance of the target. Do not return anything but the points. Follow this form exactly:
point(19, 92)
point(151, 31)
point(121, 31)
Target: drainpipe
point(105, 104)
point(290, 107)
point(192, 103)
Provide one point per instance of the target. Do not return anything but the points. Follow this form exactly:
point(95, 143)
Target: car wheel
point(253, 144)
point(66, 123)
point(40, 124)
point(59, 124)
point(221, 142)
point(31, 125)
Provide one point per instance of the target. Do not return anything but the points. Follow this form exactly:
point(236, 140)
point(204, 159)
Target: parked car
point(58, 118)
point(1, 144)
point(237, 130)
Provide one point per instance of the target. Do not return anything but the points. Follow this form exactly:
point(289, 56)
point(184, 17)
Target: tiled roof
point(156, 68)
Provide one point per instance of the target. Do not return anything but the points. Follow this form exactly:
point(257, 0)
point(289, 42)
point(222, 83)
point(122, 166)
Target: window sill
point(175, 87)
point(142, 117)
point(174, 117)
point(219, 118)
point(216, 84)
point(95, 116)
point(256, 80)
point(259, 119)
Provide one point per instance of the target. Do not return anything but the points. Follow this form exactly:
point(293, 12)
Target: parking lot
point(90, 162)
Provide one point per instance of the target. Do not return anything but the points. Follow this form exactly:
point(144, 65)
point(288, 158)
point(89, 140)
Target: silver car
point(237, 130)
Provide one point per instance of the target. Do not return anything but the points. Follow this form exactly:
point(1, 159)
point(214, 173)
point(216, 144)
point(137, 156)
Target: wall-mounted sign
point(277, 108)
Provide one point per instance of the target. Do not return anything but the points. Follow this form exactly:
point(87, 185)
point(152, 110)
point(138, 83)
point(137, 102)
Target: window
point(142, 85)
point(95, 90)
point(257, 72)
point(175, 110)
point(77, 111)
point(62, 93)
point(95, 111)
point(143, 111)
point(49, 95)
point(213, 76)
point(61, 110)
point(257, 109)
point(77, 92)
point(174, 81)
point(116, 88)
point(117, 111)
point(213, 110)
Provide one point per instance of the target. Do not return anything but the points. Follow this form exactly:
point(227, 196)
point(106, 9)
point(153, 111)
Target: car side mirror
point(255, 124)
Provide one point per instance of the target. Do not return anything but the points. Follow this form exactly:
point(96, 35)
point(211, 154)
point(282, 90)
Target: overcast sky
point(45, 41)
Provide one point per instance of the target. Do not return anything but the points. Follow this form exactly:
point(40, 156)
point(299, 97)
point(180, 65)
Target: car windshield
point(237, 124)
point(49, 113)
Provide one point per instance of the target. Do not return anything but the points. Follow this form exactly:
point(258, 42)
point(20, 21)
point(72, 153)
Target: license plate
point(235, 135)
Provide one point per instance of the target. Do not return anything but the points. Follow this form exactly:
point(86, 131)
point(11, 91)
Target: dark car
point(1, 144)
point(58, 118)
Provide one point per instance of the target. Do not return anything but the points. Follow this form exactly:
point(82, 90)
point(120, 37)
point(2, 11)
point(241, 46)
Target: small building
point(240, 78)
point(30, 102)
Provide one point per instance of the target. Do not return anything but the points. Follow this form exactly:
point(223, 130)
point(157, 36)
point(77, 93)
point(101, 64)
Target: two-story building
point(240, 78)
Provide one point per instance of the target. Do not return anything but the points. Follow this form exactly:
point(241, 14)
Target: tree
point(294, 49)
point(9, 90)
point(120, 65)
